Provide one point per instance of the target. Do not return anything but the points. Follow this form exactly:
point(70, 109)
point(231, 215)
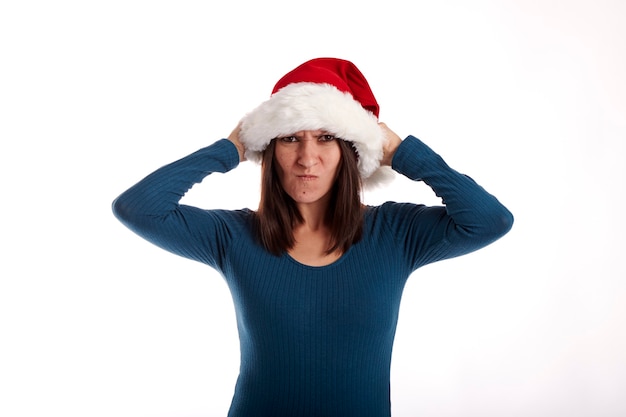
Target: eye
point(327, 138)
point(288, 139)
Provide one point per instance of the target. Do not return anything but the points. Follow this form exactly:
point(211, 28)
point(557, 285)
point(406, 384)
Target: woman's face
point(307, 163)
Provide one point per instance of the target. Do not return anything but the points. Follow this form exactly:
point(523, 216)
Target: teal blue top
point(315, 341)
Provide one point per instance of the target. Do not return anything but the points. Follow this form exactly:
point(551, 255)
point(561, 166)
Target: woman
point(315, 276)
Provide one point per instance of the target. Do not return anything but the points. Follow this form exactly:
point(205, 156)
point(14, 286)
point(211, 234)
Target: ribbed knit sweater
point(315, 341)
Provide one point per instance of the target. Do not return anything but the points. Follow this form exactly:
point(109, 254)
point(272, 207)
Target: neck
point(313, 215)
point(313, 237)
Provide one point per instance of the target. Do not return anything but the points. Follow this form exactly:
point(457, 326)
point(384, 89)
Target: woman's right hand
point(234, 138)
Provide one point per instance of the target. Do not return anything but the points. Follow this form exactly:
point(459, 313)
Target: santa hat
point(324, 93)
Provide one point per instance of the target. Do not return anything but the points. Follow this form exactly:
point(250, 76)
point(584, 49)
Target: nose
point(308, 152)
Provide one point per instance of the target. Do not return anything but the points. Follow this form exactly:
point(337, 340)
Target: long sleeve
point(151, 207)
point(470, 219)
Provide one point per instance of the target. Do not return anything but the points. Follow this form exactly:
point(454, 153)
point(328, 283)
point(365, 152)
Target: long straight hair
point(278, 214)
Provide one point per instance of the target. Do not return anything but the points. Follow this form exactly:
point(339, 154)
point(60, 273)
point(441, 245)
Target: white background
point(527, 97)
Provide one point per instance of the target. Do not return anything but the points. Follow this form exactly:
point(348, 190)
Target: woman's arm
point(471, 218)
point(151, 207)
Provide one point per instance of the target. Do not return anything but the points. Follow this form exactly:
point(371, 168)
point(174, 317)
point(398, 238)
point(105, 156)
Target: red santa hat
point(324, 93)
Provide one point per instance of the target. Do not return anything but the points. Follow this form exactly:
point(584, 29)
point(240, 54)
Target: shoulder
point(219, 225)
point(217, 231)
point(391, 210)
point(399, 218)
point(234, 219)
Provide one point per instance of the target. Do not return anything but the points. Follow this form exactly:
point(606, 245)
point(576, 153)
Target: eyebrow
point(322, 133)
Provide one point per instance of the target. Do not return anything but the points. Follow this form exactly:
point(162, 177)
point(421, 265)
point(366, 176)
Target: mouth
point(307, 177)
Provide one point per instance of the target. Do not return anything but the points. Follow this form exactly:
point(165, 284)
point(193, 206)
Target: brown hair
point(278, 214)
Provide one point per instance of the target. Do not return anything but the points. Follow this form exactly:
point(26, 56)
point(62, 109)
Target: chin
point(307, 199)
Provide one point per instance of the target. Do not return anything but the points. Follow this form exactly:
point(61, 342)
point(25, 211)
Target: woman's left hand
point(391, 144)
point(234, 138)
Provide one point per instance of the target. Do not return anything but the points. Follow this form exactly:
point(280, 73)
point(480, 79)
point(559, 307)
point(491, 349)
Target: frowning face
point(307, 163)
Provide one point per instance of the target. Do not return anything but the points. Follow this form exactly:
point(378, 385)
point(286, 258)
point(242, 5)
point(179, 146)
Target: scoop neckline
point(318, 267)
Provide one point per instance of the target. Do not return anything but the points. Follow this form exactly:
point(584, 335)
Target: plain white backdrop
point(527, 97)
